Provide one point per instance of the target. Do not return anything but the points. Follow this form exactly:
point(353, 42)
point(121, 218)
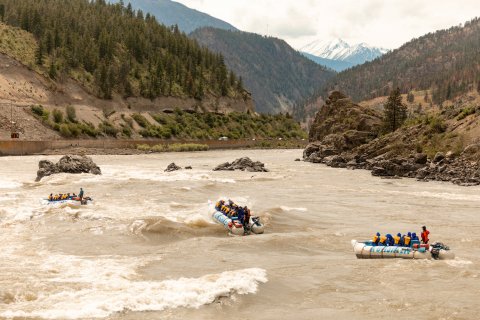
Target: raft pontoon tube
point(368, 250)
point(235, 227)
point(71, 202)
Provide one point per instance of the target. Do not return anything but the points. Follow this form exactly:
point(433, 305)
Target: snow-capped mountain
point(339, 50)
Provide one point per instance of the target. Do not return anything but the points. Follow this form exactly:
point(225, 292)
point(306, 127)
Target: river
point(148, 249)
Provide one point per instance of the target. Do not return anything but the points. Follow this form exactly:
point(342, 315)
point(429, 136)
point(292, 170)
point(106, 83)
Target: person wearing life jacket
point(50, 197)
point(382, 241)
point(219, 205)
point(407, 239)
point(55, 197)
point(397, 240)
point(80, 194)
point(376, 238)
point(414, 236)
point(390, 240)
point(424, 235)
point(241, 215)
point(247, 215)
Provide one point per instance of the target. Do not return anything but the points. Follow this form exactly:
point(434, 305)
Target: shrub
point(38, 110)
point(71, 114)
point(141, 120)
point(143, 147)
point(74, 129)
point(57, 116)
point(466, 112)
point(65, 131)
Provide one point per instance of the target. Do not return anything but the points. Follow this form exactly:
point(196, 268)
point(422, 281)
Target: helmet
point(424, 227)
point(378, 234)
point(414, 235)
point(399, 234)
point(409, 234)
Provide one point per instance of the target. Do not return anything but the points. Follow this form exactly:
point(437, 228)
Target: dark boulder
point(421, 158)
point(172, 167)
point(243, 164)
point(67, 164)
point(438, 157)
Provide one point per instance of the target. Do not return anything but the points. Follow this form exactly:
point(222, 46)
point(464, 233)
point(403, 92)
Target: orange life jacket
point(375, 238)
point(396, 239)
point(383, 239)
point(406, 240)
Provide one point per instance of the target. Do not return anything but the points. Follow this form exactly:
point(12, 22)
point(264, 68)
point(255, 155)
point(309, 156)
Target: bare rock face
point(339, 127)
point(172, 167)
point(243, 164)
point(67, 164)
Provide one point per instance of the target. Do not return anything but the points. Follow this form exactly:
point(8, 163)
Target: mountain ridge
point(277, 75)
point(340, 51)
point(174, 13)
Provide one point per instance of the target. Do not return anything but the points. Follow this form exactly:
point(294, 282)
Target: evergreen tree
point(39, 54)
point(395, 112)
point(410, 97)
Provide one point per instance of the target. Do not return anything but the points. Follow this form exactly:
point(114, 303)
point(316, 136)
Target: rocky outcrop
point(391, 155)
point(67, 164)
point(172, 167)
point(340, 126)
point(243, 164)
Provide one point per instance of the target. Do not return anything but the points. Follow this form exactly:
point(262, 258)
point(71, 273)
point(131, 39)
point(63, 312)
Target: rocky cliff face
point(344, 136)
point(340, 126)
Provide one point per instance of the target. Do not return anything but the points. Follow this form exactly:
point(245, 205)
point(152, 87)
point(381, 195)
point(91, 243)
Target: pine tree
point(395, 112)
point(410, 97)
point(39, 54)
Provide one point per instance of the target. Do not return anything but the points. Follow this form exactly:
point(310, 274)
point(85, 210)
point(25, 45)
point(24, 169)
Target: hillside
point(277, 76)
point(434, 144)
point(173, 13)
point(447, 62)
point(336, 65)
point(111, 50)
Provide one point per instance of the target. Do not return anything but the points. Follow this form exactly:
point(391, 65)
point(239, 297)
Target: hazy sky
point(383, 23)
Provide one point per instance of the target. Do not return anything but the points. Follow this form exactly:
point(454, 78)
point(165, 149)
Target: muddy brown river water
point(148, 249)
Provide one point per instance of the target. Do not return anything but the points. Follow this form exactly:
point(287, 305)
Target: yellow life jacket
point(383, 239)
point(406, 240)
point(396, 239)
point(375, 238)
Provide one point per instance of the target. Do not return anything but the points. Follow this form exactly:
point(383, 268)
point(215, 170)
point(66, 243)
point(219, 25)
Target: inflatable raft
point(368, 250)
point(68, 202)
point(235, 227)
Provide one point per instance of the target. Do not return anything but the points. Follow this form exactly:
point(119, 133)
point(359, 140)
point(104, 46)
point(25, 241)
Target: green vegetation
point(466, 112)
point(178, 125)
point(175, 147)
point(66, 127)
point(111, 49)
point(235, 125)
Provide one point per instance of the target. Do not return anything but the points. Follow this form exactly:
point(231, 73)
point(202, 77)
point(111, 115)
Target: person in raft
point(80, 194)
point(425, 234)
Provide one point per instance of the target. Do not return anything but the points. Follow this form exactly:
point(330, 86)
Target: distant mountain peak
point(340, 50)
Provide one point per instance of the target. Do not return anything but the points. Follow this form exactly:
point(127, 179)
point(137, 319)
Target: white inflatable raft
point(235, 227)
point(367, 250)
point(67, 202)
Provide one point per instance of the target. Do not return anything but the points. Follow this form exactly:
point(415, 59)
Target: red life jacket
point(425, 236)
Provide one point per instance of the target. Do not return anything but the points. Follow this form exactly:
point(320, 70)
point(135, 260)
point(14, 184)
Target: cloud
point(382, 23)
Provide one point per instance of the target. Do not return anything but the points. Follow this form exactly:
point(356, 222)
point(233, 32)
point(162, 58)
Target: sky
point(381, 23)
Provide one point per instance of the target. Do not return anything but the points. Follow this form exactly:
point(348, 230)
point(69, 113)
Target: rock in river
point(67, 164)
point(243, 164)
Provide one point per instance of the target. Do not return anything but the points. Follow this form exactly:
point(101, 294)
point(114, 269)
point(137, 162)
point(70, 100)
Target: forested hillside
point(114, 49)
point(447, 61)
point(277, 75)
point(173, 13)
